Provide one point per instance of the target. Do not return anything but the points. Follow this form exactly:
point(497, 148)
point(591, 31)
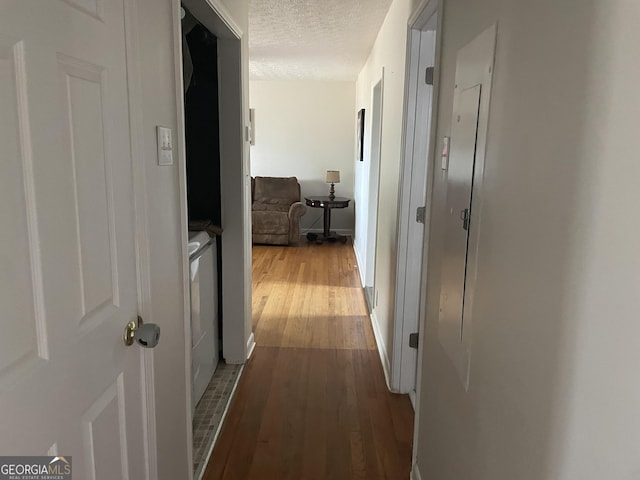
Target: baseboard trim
point(251, 345)
point(412, 397)
point(415, 472)
point(360, 263)
point(382, 351)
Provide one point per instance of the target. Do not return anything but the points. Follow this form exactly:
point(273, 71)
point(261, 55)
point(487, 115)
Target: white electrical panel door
point(458, 220)
point(465, 172)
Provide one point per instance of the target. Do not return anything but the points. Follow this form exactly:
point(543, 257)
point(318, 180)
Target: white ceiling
point(312, 39)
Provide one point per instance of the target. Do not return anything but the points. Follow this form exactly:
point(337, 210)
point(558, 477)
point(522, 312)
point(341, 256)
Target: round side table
point(327, 204)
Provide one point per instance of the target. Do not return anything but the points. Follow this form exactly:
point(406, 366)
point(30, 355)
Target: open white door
point(68, 384)
point(414, 219)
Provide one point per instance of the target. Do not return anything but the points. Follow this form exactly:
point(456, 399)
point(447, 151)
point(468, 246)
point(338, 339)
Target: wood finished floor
point(312, 402)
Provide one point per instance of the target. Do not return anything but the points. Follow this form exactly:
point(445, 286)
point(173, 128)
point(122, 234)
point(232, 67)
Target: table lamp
point(333, 177)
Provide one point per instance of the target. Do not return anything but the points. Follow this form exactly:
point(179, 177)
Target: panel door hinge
point(420, 214)
point(413, 340)
point(429, 74)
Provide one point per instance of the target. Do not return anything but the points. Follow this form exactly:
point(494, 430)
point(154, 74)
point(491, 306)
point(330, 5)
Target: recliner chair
point(276, 210)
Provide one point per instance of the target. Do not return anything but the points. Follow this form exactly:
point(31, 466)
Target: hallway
point(312, 402)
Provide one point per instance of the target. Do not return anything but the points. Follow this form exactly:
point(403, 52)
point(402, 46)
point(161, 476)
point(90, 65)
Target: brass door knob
point(146, 335)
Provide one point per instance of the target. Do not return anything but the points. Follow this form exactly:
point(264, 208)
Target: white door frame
point(416, 173)
point(235, 188)
point(373, 192)
point(417, 22)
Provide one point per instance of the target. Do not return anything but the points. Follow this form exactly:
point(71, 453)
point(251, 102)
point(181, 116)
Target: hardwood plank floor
point(312, 402)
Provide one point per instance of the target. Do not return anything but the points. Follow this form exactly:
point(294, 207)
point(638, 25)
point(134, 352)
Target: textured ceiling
point(312, 39)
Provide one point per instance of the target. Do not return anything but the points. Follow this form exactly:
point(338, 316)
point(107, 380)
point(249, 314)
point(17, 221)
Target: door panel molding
point(98, 418)
point(20, 353)
point(93, 8)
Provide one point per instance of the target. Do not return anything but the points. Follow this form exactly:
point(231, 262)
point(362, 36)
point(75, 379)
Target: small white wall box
point(252, 126)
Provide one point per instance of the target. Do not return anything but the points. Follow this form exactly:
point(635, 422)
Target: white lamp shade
point(333, 176)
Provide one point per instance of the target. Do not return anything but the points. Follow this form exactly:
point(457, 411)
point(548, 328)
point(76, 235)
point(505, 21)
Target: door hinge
point(420, 214)
point(429, 74)
point(413, 340)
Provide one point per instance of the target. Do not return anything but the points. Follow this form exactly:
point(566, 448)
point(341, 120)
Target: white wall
point(303, 129)
point(554, 390)
point(388, 52)
point(239, 11)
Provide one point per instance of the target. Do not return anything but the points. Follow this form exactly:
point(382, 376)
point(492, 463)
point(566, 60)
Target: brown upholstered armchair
point(276, 210)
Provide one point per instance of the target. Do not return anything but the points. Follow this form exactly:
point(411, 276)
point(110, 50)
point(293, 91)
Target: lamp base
point(332, 192)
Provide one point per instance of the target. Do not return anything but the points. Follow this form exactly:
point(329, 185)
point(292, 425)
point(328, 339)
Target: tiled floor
point(209, 412)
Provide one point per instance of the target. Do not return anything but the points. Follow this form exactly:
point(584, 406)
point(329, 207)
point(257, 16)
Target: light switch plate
point(165, 146)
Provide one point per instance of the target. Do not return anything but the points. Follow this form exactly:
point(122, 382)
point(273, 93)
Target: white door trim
point(417, 149)
point(141, 233)
point(184, 222)
point(373, 191)
point(423, 13)
point(221, 11)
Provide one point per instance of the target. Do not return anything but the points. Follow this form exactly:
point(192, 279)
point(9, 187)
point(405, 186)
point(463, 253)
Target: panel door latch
point(420, 214)
point(413, 339)
point(465, 216)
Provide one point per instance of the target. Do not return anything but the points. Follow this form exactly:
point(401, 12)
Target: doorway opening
point(202, 144)
point(217, 254)
point(211, 377)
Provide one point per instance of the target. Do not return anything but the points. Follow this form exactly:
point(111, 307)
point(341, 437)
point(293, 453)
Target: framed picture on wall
point(360, 135)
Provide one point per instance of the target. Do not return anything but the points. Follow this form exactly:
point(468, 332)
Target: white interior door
point(415, 170)
point(68, 385)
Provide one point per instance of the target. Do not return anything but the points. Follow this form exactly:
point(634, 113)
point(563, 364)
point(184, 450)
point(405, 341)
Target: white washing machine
point(204, 312)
